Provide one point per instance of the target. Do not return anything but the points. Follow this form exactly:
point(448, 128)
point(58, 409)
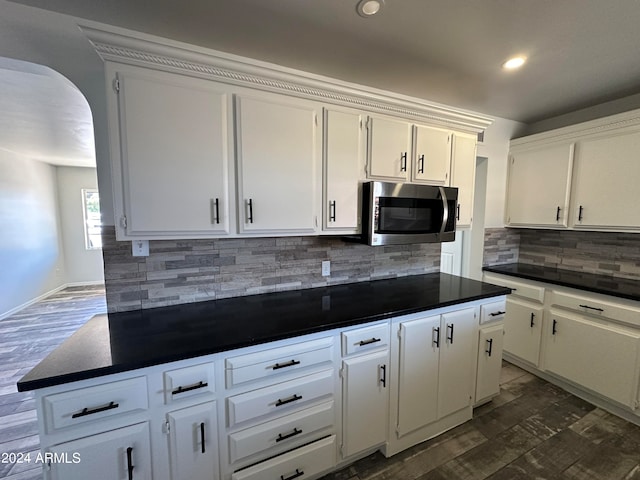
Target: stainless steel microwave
point(400, 213)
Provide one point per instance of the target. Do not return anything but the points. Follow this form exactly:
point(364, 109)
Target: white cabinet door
point(600, 357)
point(278, 165)
point(193, 444)
point(605, 190)
point(432, 155)
point(463, 174)
point(174, 154)
point(523, 330)
point(489, 362)
point(389, 149)
point(119, 454)
point(366, 402)
point(457, 354)
point(343, 169)
point(418, 373)
point(538, 187)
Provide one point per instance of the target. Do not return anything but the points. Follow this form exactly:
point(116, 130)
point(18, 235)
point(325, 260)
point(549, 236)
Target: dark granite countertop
point(126, 341)
point(606, 285)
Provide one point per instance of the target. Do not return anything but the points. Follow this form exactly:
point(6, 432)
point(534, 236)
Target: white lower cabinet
point(365, 402)
point(303, 463)
point(601, 357)
point(118, 454)
point(436, 365)
point(489, 362)
point(193, 442)
point(523, 330)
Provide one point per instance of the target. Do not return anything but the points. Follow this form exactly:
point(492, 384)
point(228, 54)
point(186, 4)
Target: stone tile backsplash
point(603, 253)
point(185, 271)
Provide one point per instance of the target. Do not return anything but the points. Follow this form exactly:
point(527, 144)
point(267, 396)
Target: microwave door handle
point(445, 210)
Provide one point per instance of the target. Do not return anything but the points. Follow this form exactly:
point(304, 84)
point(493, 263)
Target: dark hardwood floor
point(25, 339)
point(532, 430)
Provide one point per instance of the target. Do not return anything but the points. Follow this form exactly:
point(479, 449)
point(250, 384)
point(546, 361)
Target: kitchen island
point(274, 384)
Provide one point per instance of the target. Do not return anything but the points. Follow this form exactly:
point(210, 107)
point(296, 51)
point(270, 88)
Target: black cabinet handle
point(362, 343)
point(250, 217)
point(490, 342)
point(282, 437)
point(436, 330)
point(553, 328)
point(130, 466)
point(290, 363)
point(533, 315)
point(295, 397)
point(421, 164)
point(383, 379)
point(87, 411)
point(592, 308)
point(450, 334)
point(495, 314)
point(558, 214)
point(403, 162)
point(580, 213)
point(298, 473)
point(332, 211)
point(458, 212)
point(215, 211)
point(195, 386)
point(202, 435)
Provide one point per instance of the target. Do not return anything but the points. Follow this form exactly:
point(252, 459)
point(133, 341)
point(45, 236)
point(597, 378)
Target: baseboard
point(31, 302)
point(45, 295)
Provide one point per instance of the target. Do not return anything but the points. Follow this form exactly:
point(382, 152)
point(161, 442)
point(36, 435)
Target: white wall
point(496, 148)
point(81, 265)
point(31, 251)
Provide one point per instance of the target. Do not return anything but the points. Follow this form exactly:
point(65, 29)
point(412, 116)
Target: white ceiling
point(581, 52)
point(43, 116)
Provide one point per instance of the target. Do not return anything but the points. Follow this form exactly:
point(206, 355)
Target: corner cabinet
point(171, 152)
point(538, 187)
point(278, 161)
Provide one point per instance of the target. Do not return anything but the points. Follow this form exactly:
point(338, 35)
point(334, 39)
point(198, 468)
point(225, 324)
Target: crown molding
point(124, 46)
point(620, 122)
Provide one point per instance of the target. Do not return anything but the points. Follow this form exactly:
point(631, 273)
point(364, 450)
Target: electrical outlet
point(326, 268)
point(140, 248)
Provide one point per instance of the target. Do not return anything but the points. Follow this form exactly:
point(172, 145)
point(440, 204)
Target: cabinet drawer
point(304, 462)
point(364, 339)
point(287, 432)
point(93, 403)
point(277, 361)
point(530, 292)
point(280, 397)
point(181, 383)
point(493, 312)
point(597, 308)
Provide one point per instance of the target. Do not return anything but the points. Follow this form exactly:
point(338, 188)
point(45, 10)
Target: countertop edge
point(70, 377)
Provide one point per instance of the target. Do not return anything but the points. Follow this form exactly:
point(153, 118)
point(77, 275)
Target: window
point(92, 221)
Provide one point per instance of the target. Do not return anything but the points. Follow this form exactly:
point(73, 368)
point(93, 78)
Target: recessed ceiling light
point(368, 8)
point(514, 63)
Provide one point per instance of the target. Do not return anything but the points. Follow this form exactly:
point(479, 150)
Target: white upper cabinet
point(343, 169)
point(605, 189)
point(463, 175)
point(538, 187)
point(170, 151)
point(431, 155)
point(278, 161)
point(389, 149)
